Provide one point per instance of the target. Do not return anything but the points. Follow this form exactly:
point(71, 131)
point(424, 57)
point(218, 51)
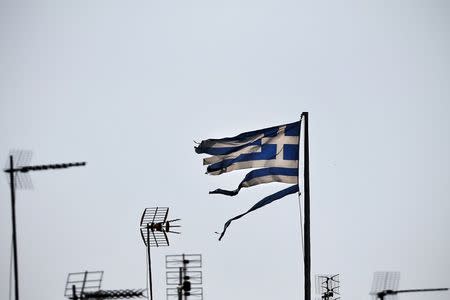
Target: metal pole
point(307, 257)
point(184, 275)
point(149, 262)
point(180, 285)
point(14, 234)
point(74, 292)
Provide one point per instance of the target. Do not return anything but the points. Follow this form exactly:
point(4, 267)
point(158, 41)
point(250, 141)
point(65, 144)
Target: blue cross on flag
point(272, 152)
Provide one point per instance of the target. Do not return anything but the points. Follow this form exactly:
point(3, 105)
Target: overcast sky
point(128, 85)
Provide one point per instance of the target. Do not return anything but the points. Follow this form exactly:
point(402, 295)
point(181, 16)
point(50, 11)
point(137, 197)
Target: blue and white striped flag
point(274, 151)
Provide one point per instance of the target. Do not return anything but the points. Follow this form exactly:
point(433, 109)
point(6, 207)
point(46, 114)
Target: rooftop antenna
point(184, 271)
point(87, 285)
point(327, 286)
point(385, 286)
point(383, 281)
point(154, 228)
point(17, 169)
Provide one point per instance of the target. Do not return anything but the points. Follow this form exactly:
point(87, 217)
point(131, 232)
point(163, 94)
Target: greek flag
point(272, 152)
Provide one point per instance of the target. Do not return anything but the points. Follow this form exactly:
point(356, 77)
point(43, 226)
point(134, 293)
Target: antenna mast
point(184, 271)
point(154, 229)
point(327, 286)
point(18, 178)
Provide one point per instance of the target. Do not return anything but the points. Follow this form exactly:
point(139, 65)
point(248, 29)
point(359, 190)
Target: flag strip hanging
point(274, 150)
point(267, 200)
point(259, 176)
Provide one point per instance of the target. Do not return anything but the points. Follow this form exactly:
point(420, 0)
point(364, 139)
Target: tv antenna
point(327, 286)
point(184, 271)
point(385, 286)
point(17, 169)
point(87, 285)
point(154, 228)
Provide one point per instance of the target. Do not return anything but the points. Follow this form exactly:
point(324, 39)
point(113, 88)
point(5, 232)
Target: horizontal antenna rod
point(26, 169)
point(114, 294)
point(421, 290)
point(391, 292)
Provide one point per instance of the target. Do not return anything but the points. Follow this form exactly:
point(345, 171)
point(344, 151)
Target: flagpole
point(307, 225)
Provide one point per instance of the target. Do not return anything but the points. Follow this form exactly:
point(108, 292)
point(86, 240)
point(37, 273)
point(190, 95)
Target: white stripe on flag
point(270, 178)
point(257, 164)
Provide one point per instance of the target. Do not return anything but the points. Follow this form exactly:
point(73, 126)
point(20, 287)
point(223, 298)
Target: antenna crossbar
point(26, 169)
point(115, 294)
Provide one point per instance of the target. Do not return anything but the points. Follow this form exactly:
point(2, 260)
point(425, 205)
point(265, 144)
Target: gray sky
point(128, 86)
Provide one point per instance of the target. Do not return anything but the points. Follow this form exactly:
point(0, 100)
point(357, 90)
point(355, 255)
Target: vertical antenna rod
point(149, 261)
point(184, 276)
point(13, 208)
point(84, 283)
point(307, 227)
point(180, 285)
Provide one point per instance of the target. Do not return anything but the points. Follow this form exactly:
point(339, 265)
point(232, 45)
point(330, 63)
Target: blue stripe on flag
point(267, 200)
point(290, 152)
point(292, 129)
point(228, 150)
